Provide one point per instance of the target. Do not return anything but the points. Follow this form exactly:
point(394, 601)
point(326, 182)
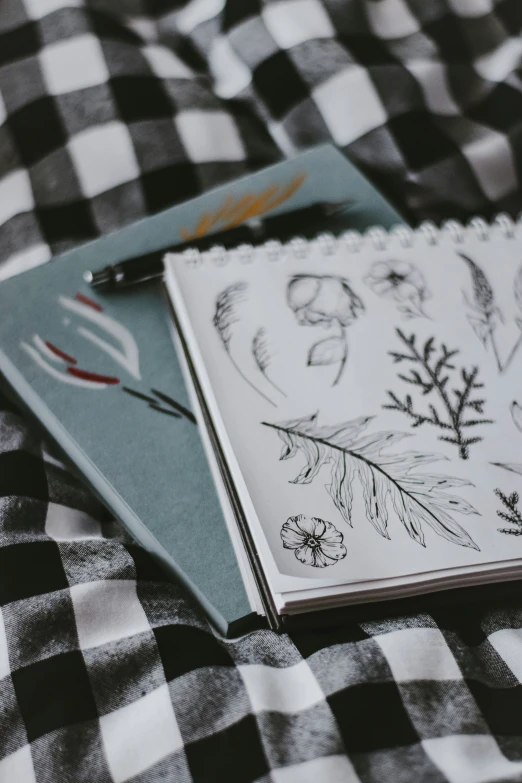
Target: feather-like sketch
point(417, 498)
point(516, 414)
point(511, 514)
point(328, 301)
point(517, 292)
point(433, 377)
point(315, 542)
point(402, 282)
point(486, 315)
point(261, 354)
point(225, 316)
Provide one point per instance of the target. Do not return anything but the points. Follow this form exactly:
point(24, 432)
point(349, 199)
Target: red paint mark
point(61, 354)
point(85, 300)
point(92, 376)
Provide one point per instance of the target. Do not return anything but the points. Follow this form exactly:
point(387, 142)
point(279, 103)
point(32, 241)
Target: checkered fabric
point(112, 110)
point(424, 95)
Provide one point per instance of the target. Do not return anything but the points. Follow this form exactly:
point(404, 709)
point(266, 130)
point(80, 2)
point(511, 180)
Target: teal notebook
point(101, 375)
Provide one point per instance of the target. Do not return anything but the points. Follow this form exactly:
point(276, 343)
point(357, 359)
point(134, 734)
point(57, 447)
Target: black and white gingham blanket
point(110, 111)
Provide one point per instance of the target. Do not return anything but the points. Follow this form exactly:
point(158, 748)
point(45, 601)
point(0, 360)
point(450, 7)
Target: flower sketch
point(315, 542)
point(328, 301)
point(402, 282)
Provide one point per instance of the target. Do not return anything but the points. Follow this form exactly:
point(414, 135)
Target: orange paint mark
point(233, 211)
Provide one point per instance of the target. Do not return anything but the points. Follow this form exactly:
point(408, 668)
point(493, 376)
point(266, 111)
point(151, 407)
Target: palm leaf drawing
point(418, 499)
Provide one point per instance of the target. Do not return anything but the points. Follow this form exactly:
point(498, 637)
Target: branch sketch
point(224, 319)
point(418, 499)
point(329, 301)
point(402, 282)
point(436, 367)
point(262, 357)
point(485, 314)
point(512, 513)
point(315, 542)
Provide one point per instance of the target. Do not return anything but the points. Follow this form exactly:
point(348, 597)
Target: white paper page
point(357, 302)
point(439, 580)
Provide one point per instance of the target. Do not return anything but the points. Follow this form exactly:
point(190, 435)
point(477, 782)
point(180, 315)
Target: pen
point(150, 265)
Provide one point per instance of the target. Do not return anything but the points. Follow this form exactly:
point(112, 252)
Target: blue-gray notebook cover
point(101, 374)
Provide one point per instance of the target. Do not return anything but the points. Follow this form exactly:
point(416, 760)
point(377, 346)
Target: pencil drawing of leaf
point(485, 314)
point(225, 317)
point(516, 415)
point(460, 407)
point(517, 292)
point(330, 351)
point(262, 356)
point(480, 327)
point(512, 467)
point(226, 310)
point(517, 288)
point(484, 297)
point(386, 479)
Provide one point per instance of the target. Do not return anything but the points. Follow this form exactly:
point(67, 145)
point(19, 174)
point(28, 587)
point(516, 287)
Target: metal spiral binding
point(354, 241)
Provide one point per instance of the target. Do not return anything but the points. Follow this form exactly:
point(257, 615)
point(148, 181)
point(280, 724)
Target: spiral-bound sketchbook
point(362, 398)
point(99, 372)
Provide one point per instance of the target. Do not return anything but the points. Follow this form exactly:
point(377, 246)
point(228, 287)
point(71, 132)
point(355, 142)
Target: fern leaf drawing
point(386, 479)
point(457, 396)
point(262, 356)
point(512, 513)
